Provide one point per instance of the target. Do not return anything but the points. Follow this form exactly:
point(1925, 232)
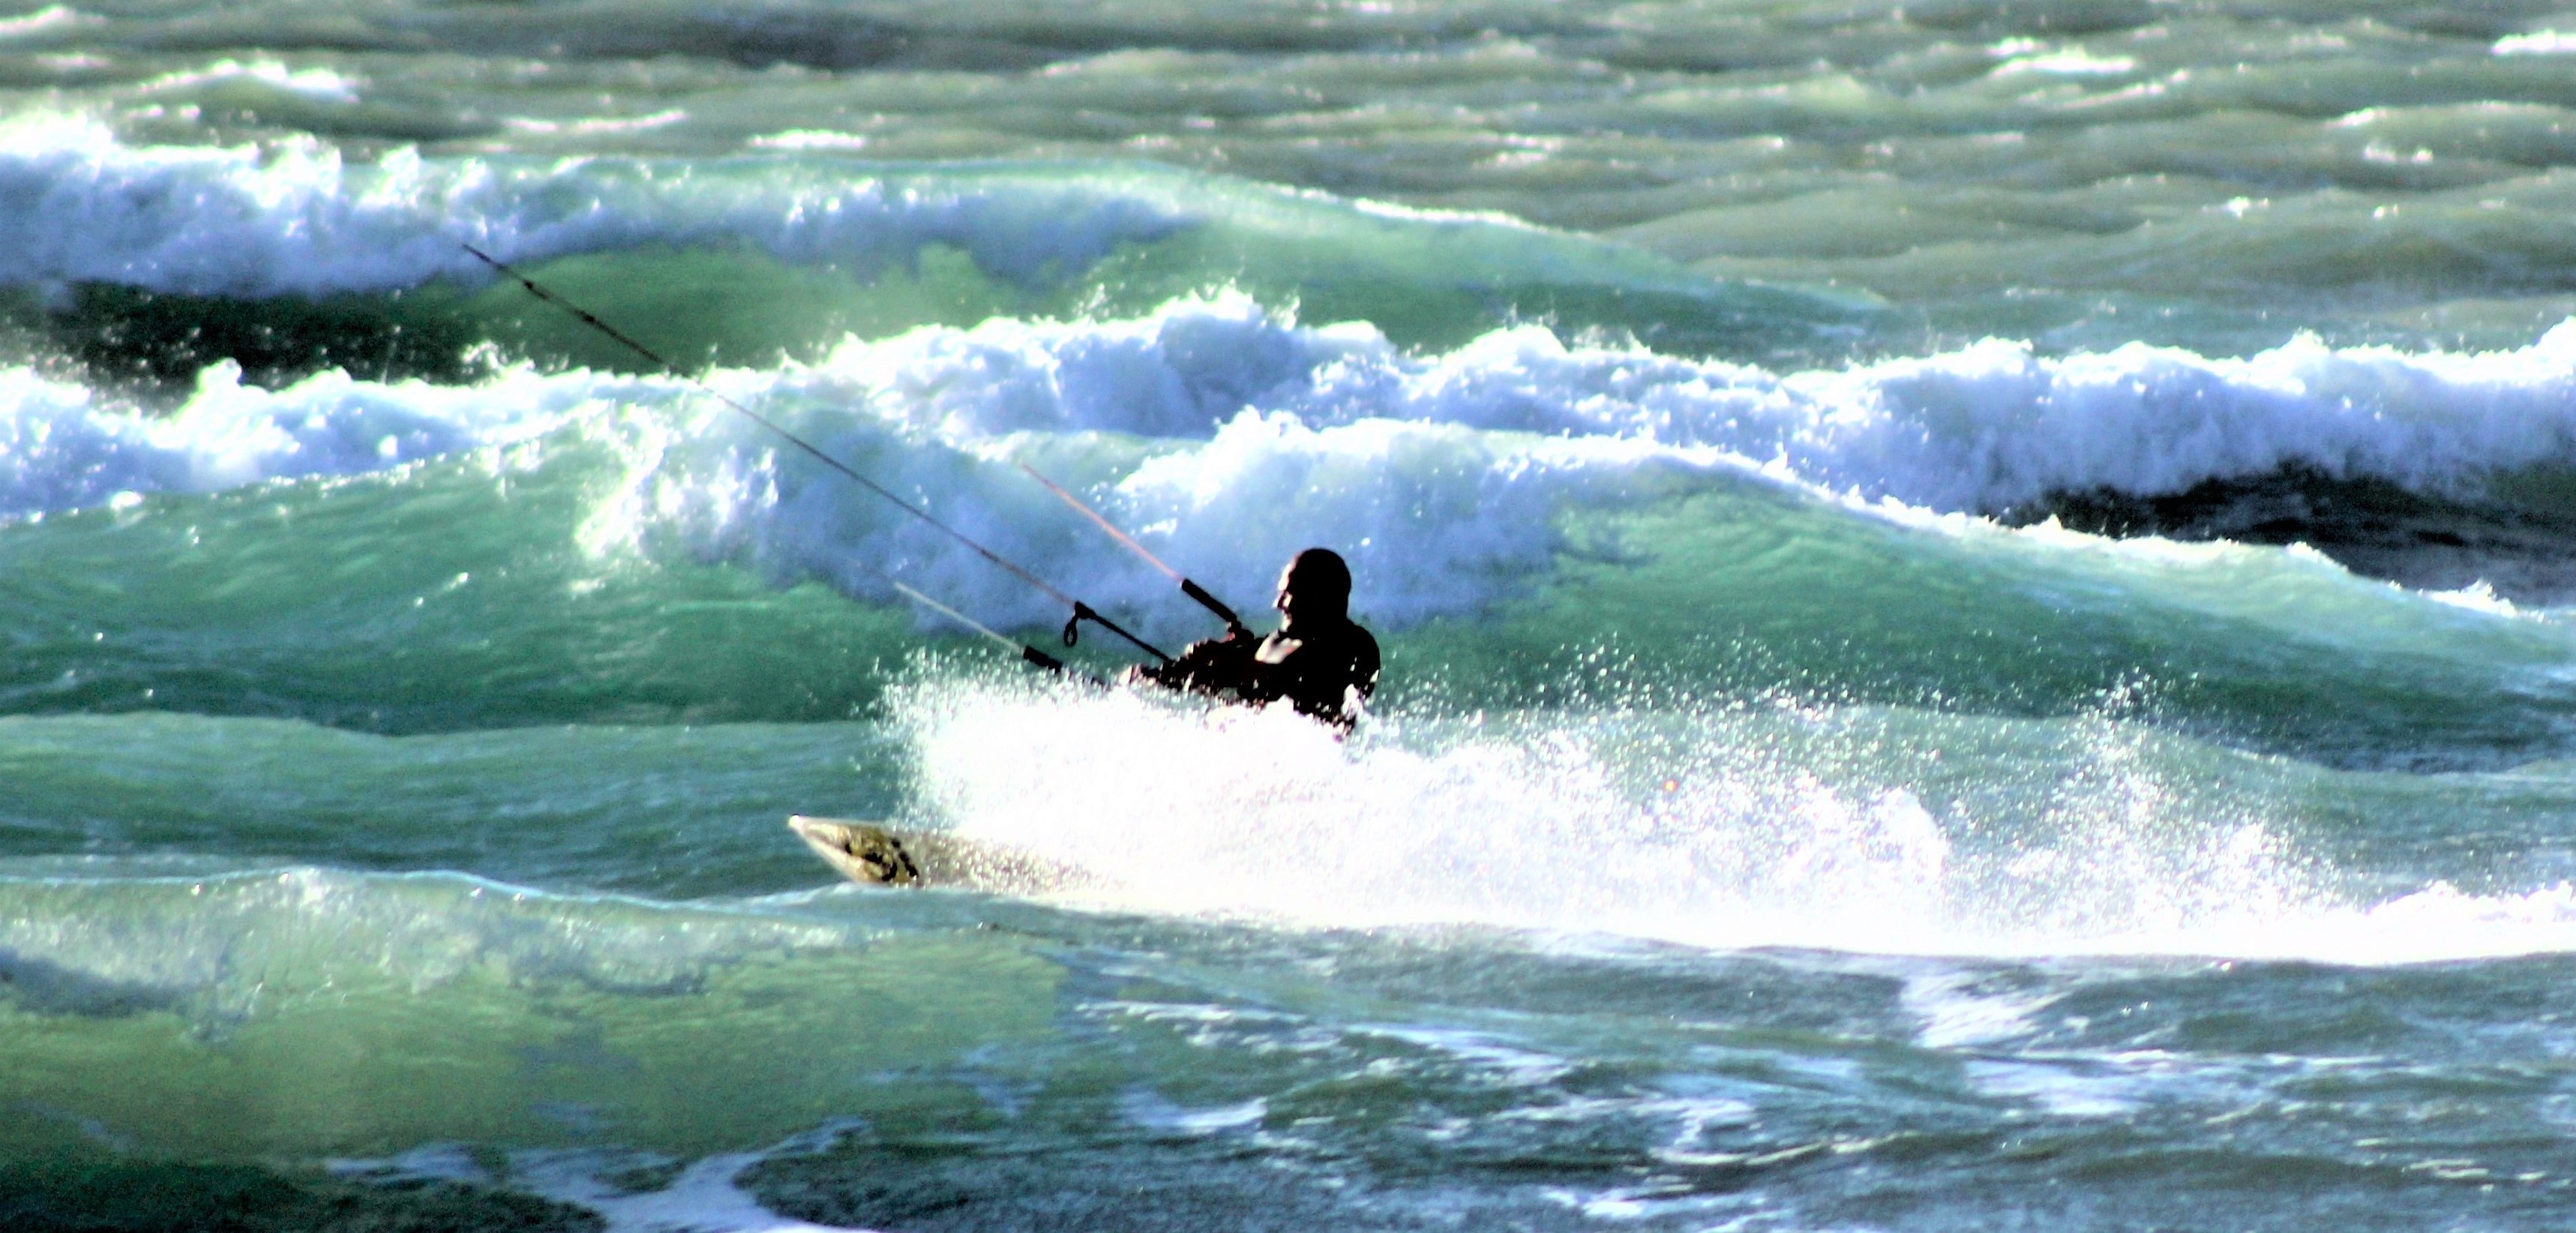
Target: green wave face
point(467, 594)
point(1975, 598)
point(2084, 175)
point(227, 1017)
point(747, 260)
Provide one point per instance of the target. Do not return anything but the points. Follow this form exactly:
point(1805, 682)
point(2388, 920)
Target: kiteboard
point(872, 854)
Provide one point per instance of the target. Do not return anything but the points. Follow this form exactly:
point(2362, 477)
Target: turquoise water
point(1976, 601)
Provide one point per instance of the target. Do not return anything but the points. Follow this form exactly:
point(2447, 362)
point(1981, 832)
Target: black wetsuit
point(1316, 666)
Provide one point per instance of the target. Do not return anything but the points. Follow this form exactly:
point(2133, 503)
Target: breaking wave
point(1228, 434)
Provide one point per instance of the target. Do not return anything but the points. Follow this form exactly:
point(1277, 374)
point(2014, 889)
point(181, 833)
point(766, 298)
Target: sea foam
point(1229, 436)
point(1982, 429)
point(1727, 827)
point(294, 217)
point(62, 447)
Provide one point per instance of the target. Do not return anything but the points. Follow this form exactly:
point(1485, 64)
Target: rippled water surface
point(1976, 600)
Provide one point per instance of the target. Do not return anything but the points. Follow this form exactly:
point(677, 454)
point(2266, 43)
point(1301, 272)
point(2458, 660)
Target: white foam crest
point(1228, 438)
point(320, 85)
point(1151, 1110)
point(2477, 597)
point(596, 126)
point(2439, 923)
point(1438, 518)
point(2077, 1087)
point(1441, 519)
point(1980, 429)
point(1956, 1011)
point(63, 448)
point(2535, 43)
point(2064, 62)
point(810, 139)
point(703, 1196)
point(1725, 838)
point(1995, 425)
point(52, 17)
point(293, 217)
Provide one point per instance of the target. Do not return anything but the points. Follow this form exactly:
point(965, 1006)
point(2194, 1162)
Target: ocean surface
point(1979, 602)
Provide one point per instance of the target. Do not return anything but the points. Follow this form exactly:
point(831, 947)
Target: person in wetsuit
point(1320, 661)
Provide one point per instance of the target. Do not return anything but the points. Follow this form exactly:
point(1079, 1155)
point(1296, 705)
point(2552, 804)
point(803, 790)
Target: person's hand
point(1144, 674)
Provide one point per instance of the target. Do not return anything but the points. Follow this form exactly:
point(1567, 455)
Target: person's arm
point(1208, 666)
point(1364, 662)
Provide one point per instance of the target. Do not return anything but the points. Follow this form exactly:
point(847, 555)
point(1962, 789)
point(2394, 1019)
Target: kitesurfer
point(1320, 661)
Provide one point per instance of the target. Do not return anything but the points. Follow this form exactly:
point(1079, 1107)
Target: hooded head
point(1316, 587)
